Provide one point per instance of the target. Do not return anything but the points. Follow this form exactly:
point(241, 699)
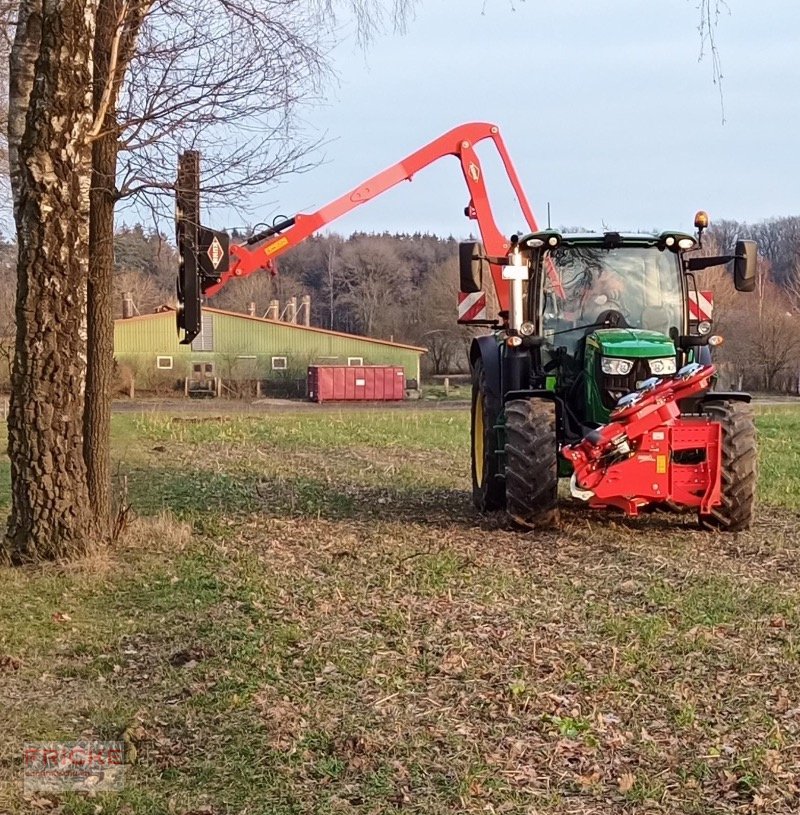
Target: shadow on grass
point(205, 495)
point(202, 493)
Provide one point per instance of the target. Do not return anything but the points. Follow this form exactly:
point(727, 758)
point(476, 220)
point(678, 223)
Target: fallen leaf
point(9, 663)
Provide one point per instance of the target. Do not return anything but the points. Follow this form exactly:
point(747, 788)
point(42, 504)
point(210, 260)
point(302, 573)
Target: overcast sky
point(605, 109)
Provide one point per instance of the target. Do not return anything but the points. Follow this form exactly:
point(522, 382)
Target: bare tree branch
point(709, 13)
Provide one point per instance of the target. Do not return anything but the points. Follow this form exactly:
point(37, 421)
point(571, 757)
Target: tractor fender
point(487, 350)
point(724, 396)
point(695, 403)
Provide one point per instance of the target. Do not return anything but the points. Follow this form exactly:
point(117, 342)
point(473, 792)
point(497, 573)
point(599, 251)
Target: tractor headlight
point(660, 367)
point(616, 367)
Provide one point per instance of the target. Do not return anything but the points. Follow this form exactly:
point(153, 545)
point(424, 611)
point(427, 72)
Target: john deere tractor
point(598, 371)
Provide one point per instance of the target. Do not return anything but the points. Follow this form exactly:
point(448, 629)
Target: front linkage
point(650, 453)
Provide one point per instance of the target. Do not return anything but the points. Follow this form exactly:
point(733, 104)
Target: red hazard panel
point(701, 305)
point(366, 383)
point(471, 306)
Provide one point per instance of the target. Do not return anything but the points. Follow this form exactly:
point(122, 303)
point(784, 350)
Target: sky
point(606, 110)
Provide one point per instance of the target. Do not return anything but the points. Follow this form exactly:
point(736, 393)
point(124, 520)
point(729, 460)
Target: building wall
point(244, 348)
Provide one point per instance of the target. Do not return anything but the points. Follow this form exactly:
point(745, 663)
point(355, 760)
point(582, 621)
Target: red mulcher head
point(651, 454)
point(203, 253)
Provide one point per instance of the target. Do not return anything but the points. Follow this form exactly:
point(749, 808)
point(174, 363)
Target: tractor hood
point(630, 343)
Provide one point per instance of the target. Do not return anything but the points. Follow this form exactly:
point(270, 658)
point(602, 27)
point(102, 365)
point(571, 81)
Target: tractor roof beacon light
point(700, 223)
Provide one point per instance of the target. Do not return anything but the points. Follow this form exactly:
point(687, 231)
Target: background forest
point(404, 287)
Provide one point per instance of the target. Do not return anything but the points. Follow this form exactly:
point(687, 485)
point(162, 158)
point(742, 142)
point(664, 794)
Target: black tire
point(531, 462)
point(739, 466)
point(488, 490)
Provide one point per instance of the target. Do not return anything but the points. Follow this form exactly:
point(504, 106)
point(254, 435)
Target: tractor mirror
point(745, 265)
point(472, 264)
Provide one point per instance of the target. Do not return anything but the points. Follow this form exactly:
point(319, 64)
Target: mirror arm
point(696, 264)
point(686, 341)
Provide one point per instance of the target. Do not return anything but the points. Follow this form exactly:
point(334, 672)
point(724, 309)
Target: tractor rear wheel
point(531, 462)
point(488, 492)
point(739, 466)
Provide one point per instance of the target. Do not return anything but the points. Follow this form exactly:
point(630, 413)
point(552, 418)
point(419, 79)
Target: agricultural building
point(234, 348)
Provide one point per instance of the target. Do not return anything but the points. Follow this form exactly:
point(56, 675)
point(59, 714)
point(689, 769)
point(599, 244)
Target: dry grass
point(342, 634)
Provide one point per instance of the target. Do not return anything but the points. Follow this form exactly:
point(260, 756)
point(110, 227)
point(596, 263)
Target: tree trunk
point(51, 516)
point(22, 65)
point(100, 329)
point(100, 308)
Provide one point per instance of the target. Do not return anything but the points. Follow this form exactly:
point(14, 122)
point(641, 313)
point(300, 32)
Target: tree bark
point(100, 329)
point(51, 516)
point(117, 28)
point(100, 308)
point(22, 64)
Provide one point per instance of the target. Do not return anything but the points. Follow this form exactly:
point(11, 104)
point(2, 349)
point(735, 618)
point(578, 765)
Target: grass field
point(308, 617)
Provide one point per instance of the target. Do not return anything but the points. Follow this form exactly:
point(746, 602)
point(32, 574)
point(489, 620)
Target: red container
point(367, 383)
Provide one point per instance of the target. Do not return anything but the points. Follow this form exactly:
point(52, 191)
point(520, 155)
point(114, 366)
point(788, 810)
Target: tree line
point(404, 287)
point(761, 332)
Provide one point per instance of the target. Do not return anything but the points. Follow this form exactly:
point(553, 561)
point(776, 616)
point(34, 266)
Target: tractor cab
point(608, 309)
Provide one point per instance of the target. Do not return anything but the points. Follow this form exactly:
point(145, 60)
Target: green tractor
point(593, 323)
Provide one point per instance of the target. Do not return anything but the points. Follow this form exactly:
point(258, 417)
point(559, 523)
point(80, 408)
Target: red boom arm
point(459, 142)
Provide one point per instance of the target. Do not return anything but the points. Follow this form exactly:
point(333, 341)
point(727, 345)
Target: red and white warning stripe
point(701, 305)
point(471, 306)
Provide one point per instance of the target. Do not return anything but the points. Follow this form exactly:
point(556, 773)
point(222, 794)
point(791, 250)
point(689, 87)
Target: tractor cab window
point(640, 284)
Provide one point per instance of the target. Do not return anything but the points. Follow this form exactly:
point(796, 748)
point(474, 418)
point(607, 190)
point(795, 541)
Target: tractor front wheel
point(531, 462)
point(739, 466)
point(488, 493)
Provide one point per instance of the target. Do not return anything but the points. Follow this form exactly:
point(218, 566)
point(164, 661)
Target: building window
point(246, 356)
point(355, 361)
point(164, 363)
point(279, 364)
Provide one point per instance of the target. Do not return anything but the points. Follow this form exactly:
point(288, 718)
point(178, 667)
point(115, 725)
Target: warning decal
point(471, 306)
point(216, 253)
